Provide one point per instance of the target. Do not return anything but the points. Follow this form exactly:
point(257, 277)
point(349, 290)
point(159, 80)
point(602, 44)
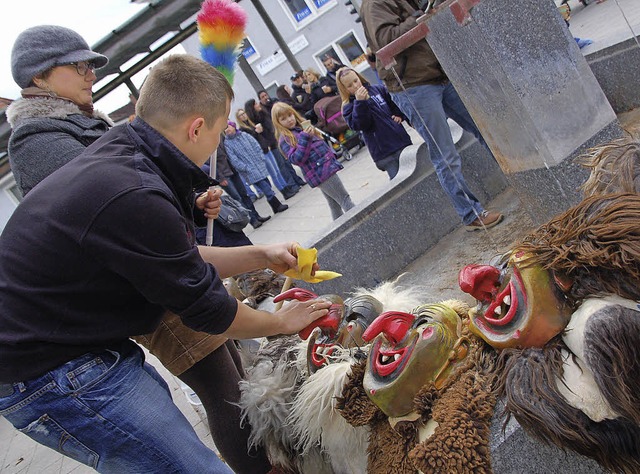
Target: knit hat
point(40, 48)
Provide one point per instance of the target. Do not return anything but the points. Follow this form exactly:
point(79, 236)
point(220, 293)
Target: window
point(352, 50)
point(346, 50)
point(302, 12)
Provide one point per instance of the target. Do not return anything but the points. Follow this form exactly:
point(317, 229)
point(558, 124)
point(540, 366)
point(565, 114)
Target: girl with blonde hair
point(303, 145)
point(369, 109)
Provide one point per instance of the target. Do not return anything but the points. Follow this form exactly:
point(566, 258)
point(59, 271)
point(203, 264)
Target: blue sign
point(248, 51)
point(302, 14)
point(320, 3)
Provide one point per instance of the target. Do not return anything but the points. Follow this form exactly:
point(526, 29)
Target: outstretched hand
point(284, 256)
point(294, 316)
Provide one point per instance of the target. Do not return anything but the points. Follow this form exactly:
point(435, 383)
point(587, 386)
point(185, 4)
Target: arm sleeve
point(297, 154)
point(141, 236)
point(387, 25)
point(360, 115)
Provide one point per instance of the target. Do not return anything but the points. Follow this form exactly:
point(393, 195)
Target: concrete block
point(382, 235)
point(522, 77)
point(515, 452)
point(619, 82)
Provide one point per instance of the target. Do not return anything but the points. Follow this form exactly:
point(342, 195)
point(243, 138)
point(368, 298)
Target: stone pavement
point(435, 272)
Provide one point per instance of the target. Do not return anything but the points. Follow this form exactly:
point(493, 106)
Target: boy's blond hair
point(279, 110)
point(615, 168)
point(182, 86)
point(344, 93)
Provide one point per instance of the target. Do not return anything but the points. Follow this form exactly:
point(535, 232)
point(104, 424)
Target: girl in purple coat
point(369, 109)
point(302, 144)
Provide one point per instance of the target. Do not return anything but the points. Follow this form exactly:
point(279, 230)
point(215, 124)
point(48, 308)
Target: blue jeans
point(111, 411)
point(427, 107)
point(286, 169)
point(274, 171)
point(265, 187)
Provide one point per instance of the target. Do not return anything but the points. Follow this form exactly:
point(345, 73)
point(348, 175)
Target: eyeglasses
point(83, 67)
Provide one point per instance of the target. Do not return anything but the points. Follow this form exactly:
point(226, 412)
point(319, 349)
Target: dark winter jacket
point(372, 117)
point(98, 252)
point(266, 139)
point(316, 89)
point(386, 20)
point(315, 158)
point(48, 132)
point(300, 96)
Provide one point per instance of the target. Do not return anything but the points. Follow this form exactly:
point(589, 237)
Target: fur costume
point(462, 409)
point(581, 391)
point(294, 411)
point(615, 168)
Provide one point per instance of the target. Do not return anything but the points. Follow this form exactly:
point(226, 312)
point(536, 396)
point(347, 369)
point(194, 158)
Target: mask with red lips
point(408, 352)
point(519, 305)
point(356, 315)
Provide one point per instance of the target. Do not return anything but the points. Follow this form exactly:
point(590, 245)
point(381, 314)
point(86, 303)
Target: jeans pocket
point(46, 431)
point(92, 371)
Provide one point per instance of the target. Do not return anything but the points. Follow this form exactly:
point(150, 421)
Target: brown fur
point(463, 410)
point(354, 405)
point(616, 365)
point(595, 243)
point(388, 447)
point(528, 384)
point(615, 168)
point(260, 284)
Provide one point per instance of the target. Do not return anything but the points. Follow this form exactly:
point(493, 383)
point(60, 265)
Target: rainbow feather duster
point(221, 25)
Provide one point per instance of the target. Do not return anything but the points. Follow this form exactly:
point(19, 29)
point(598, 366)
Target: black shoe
point(263, 219)
point(276, 205)
point(300, 182)
point(289, 192)
point(255, 223)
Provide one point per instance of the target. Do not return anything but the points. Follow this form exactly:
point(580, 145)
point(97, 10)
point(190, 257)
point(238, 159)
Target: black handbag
point(232, 214)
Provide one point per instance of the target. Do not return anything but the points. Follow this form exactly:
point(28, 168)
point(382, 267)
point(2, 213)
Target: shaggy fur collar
point(462, 410)
point(46, 107)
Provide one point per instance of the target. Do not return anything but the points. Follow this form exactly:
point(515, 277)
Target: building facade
point(311, 29)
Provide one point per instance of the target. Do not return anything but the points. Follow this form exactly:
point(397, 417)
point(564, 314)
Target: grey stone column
point(526, 84)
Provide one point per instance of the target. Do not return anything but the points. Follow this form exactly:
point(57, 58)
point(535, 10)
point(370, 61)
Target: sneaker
point(487, 220)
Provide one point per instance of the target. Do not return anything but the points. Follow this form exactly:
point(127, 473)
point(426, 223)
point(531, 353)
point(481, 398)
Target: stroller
point(334, 128)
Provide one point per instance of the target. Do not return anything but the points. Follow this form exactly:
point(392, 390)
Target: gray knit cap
point(40, 48)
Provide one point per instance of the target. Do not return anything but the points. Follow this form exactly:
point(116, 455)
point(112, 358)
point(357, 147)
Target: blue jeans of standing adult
point(428, 106)
point(274, 171)
point(265, 186)
point(111, 411)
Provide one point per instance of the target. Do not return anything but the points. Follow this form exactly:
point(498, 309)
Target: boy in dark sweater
point(98, 252)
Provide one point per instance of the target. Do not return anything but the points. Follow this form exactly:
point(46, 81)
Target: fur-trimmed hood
point(46, 107)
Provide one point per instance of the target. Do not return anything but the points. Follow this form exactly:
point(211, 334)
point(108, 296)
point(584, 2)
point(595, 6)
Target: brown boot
point(487, 220)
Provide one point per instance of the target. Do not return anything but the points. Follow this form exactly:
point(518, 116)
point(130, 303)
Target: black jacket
point(99, 250)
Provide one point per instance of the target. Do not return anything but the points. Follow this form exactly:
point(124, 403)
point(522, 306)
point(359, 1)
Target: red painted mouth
point(504, 307)
point(388, 361)
point(321, 354)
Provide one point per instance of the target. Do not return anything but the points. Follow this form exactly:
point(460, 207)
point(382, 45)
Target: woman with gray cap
point(54, 122)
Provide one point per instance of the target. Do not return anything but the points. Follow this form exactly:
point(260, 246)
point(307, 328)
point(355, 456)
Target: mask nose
point(393, 324)
point(480, 281)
